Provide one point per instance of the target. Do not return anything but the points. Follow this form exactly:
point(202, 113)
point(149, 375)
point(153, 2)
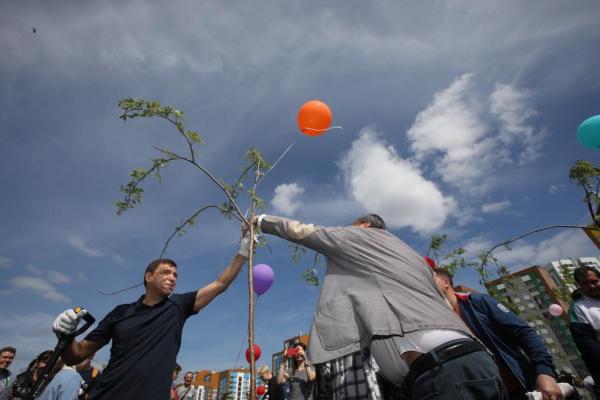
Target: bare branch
point(486, 255)
point(189, 221)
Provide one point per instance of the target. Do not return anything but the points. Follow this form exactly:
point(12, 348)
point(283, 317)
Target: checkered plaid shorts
point(354, 377)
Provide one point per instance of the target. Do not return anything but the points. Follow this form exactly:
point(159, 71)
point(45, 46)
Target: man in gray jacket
point(379, 294)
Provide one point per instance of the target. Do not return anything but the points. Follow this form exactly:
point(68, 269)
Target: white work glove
point(244, 247)
point(66, 322)
point(245, 244)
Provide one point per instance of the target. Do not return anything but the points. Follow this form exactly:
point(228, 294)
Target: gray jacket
point(375, 284)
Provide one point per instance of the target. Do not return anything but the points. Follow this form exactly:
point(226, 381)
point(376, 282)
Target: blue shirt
point(64, 386)
point(145, 343)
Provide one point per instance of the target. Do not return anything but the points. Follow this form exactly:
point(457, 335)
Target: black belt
point(440, 355)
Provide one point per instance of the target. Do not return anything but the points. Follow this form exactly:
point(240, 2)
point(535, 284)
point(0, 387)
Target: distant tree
point(587, 176)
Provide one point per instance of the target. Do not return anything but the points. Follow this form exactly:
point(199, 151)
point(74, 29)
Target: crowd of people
point(387, 326)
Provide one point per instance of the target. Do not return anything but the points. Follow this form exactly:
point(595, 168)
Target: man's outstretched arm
point(325, 240)
point(206, 294)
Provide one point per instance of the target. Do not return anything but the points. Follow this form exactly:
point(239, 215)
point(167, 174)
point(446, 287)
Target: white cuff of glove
point(259, 220)
point(66, 323)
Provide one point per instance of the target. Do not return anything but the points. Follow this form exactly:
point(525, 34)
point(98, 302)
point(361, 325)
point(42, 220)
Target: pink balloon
point(555, 309)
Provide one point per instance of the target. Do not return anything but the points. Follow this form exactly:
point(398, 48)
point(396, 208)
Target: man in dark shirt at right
point(503, 333)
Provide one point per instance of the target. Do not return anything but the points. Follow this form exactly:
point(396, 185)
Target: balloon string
point(244, 340)
point(270, 169)
point(280, 157)
point(322, 130)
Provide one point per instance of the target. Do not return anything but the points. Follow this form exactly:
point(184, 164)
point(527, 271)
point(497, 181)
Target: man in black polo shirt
point(146, 334)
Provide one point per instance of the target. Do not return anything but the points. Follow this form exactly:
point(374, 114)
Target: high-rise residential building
point(559, 268)
point(530, 292)
point(208, 384)
point(234, 384)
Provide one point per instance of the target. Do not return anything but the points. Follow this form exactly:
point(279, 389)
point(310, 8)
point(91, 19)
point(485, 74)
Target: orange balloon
point(314, 117)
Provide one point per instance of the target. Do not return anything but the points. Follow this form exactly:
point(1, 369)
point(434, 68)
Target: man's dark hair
point(580, 273)
point(375, 220)
point(444, 274)
point(154, 264)
point(189, 372)
point(576, 294)
point(10, 349)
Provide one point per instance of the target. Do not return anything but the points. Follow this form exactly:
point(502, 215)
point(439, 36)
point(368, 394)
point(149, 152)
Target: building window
point(525, 278)
point(516, 300)
point(539, 322)
point(549, 340)
point(526, 297)
point(521, 308)
point(530, 305)
point(544, 331)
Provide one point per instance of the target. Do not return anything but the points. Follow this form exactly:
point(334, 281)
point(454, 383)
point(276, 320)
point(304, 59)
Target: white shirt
point(588, 312)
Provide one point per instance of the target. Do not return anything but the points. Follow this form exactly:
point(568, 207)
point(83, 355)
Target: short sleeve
point(103, 332)
point(186, 302)
point(580, 313)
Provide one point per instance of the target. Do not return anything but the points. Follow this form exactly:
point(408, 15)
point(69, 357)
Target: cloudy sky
point(458, 117)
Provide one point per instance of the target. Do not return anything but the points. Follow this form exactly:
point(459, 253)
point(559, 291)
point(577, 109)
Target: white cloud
point(511, 106)
point(6, 263)
point(286, 198)
point(554, 189)
point(476, 246)
point(459, 131)
point(58, 277)
point(495, 207)
point(80, 244)
point(451, 125)
point(384, 183)
point(40, 286)
point(33, 269)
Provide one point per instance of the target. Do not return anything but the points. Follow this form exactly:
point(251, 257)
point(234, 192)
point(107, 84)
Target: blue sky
point(459, 118)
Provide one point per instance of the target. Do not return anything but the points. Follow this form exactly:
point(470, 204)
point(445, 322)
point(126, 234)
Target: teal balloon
point(588, 132)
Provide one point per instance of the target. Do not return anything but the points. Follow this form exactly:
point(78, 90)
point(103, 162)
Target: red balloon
point(261, 390)
point(257, 353)
point(314, 117)
point(430, 262)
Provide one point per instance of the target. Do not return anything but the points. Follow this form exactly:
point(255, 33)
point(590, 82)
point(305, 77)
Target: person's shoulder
point(588, 302)
point(123, 307)
point(120, 311)
point(485, 299)
point(585, 303)
point(480, 297)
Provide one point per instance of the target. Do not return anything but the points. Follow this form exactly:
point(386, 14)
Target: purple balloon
point(263, 278)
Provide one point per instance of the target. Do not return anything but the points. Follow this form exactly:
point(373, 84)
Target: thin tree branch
point(136, 182)
point(212, 178)
point(188, 221)
point(484, 258)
